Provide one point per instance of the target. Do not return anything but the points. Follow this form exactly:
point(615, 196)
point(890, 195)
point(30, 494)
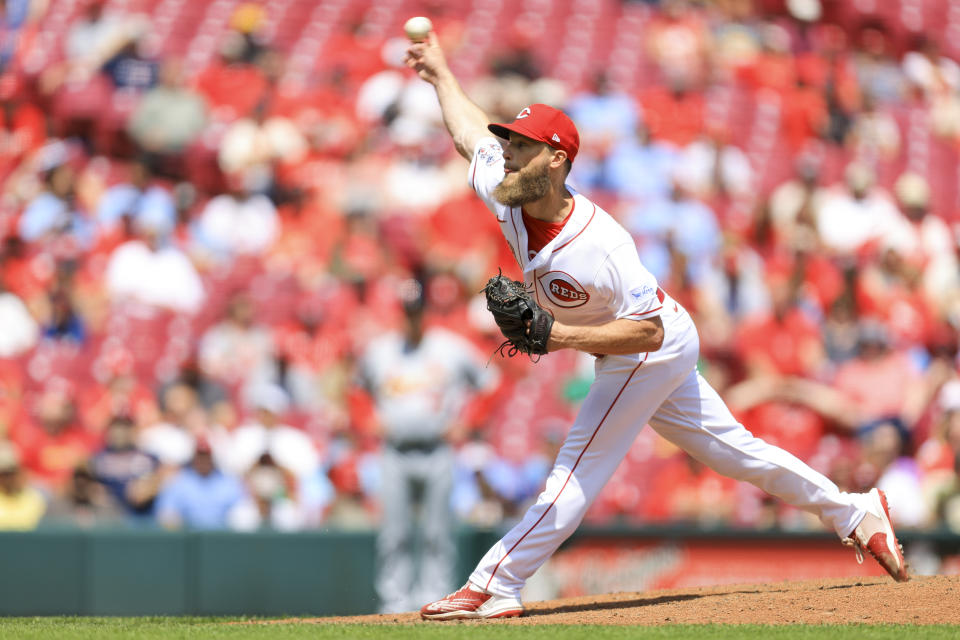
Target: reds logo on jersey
point(563, 290)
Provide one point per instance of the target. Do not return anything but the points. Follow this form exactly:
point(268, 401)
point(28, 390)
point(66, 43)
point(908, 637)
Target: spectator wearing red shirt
point(52, 438)
point(674, 114)
point(22, 122)
point(231, 86)
point(784, 341)
point(880, 381)
point(686, 490)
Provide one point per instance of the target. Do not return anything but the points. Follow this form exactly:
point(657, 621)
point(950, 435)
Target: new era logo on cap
point(546, 124)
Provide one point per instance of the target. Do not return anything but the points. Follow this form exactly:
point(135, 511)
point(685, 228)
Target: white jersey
point(419, 391)
point(590, 274)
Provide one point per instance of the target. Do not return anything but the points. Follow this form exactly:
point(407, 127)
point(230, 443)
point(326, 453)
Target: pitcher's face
point(526, 171)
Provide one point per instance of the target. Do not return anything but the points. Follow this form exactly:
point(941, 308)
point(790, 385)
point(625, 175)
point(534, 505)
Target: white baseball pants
point(665, 390)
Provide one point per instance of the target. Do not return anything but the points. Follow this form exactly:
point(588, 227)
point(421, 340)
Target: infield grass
point(164, 628)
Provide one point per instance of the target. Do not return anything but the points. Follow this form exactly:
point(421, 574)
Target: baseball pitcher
point(581, 269)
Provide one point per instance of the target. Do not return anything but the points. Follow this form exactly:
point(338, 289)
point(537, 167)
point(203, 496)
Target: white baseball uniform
point(590, 274)
point(419, 390)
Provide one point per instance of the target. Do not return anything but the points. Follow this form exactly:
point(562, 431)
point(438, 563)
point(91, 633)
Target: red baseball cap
point(546, 124)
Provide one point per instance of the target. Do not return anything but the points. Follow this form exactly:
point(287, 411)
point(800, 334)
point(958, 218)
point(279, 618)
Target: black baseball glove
point(523, 322)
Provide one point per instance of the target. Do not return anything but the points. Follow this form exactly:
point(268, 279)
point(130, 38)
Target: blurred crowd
point(198, 243)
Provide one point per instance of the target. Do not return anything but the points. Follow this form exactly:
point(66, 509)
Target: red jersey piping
point(581, 230)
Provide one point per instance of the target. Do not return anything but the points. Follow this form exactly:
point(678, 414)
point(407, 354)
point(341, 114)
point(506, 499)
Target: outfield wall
point(150, 572)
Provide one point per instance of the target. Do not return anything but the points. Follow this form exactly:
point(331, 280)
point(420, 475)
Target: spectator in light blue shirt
point(138, 200)
point(54, 212)
point(199, 496)
point(604, 110)
point(680, 223)
point(639, 168)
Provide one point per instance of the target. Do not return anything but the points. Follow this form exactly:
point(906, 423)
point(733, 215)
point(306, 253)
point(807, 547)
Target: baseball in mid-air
point(417, 28)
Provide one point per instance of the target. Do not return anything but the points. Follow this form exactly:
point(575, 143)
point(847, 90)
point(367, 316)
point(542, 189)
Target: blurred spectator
point(674, 113)
point(231, 85)
point(783, 340)
point(259, 141)
point(475, 500)
point(20, 330)
point(925, 240)
point(291, 449)
point(243, 221)
point(686, 490)
point(95, 35)
point(237, 349)
point(118, 392)
point(774, 67)
point(795, 204)
point(151, 270)
point(173, 439)
point(394, 100)
point(51, 437)
point(199, 496)
point(83, 503)
point(23, 124)
point(131, 476)
point(874, 135)
point(877, 71)
point(676, 39)
point(880, 380)
point(128, 69)
point(136, 198)
point(170, 116)
point(209, 394)
point(948, 502)
point(733, 290)
point(56, 210)
point(939, 456)
point(711, 167)
point(14, 15)
point(928, 69)
point(351, 508)
point(857, 214)
point(490, 487)
point(637, 167)
point(604, 114)
point(21, 506)
point(886, 465)
point(247, 21)
point(271, 500)
point(937, 453)
point(64, 322)
point(313, 350)
point(679, 223)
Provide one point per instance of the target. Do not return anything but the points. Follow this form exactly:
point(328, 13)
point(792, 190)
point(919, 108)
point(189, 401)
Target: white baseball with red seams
point(590, 274)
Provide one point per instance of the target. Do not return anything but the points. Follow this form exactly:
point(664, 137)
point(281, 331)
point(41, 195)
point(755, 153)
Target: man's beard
point(532, 183)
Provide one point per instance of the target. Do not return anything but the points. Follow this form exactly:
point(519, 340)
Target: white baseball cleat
point(471, 602)
point(875, 534)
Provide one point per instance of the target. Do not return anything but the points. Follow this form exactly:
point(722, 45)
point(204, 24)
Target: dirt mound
point(923, 600)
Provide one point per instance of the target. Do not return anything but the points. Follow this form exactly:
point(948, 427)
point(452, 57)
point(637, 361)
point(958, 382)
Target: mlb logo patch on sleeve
point(643, 292)
point(489, 154)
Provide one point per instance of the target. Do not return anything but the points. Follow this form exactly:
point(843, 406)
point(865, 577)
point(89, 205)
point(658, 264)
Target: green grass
point(164, 628)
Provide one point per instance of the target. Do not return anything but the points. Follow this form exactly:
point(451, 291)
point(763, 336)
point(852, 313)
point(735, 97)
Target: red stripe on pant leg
point(570, 475)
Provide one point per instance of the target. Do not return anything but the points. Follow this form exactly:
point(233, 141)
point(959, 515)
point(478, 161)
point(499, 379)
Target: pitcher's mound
point(923, 600)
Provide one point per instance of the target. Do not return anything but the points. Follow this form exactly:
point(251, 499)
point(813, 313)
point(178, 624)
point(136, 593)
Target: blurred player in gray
point(420, 380)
